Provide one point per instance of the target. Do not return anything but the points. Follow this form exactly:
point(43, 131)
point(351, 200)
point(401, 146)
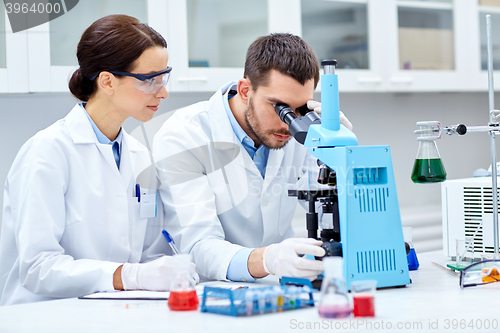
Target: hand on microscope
point(316, 106)
point(282, 259)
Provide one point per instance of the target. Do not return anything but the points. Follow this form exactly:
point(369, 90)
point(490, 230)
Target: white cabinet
point(13, 57)
point(52, 46)
point(426, 55)
point(480, 51)
point(381, 45)
point(208, 39)
point(346, 30)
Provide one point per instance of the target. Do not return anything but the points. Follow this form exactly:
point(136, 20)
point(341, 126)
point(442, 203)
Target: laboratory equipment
point(448, 270)
point(182, 292)
point(470, 196)
point(428, 167)
point(253, 301)
point(261, 300)
point(334, 302)
point(464, 253)
point(363, 298)
point(413, 263)
point(479, 273)
point(249, 295)
point(467, 211)
point(357, 191)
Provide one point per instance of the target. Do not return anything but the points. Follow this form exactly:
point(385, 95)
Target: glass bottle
point(334, 301)
point(428, 167)
point(183, 295)
point(413, 263)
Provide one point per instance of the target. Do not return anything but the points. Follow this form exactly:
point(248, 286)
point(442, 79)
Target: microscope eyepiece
point(297, 126)
point(286, 114)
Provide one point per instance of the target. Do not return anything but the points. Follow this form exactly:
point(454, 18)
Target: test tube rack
point(234, 302)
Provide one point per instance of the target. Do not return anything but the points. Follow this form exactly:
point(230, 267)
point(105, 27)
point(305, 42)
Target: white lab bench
point(431, 303)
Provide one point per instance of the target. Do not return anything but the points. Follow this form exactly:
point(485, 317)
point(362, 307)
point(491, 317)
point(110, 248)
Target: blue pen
point(138, 192)
point(170, 241)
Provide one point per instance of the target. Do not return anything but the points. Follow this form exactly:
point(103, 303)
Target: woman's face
point(135, 103)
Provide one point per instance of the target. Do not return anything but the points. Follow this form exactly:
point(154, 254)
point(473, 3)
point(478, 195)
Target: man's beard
point(263, 136)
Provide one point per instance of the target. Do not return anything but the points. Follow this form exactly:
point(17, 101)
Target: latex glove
point(154, 275)
point(316, 106)
point(283, 259)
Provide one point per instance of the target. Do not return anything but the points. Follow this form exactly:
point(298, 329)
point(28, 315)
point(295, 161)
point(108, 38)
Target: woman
point(72, 220)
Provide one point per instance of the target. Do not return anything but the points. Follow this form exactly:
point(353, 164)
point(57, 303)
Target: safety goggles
point(482, 272)
point(147, 83)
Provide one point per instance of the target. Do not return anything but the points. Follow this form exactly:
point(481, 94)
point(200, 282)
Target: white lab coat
point(216, 199)
point(70, 217)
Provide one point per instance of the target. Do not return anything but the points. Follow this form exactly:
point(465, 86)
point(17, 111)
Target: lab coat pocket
point(137, 230)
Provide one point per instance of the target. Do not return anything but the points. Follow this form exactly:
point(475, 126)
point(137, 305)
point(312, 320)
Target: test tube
point(249, 302)
point(304, 290)
point(261, 297)
point(269, 299)
point(280, 299)
point(292, 291)
point(275, 298)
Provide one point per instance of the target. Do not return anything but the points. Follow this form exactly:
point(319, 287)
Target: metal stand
point(493, 123)
point(493, 129)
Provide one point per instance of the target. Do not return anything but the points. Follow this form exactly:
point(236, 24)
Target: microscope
point(356, 190)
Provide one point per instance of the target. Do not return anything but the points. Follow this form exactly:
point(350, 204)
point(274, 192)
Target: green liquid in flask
point(428, 170)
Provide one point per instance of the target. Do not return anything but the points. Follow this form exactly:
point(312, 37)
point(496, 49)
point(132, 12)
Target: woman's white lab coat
point(216, 198)
point(70, 217)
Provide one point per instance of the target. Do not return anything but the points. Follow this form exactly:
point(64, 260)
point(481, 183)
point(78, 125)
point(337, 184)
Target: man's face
point(260, 116)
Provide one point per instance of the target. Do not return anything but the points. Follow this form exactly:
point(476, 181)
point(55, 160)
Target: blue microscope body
point(371, 234)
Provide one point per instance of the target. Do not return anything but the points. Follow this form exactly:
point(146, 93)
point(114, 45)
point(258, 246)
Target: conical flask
point(411, 257)
point(182, 291)
point(334, 301)
point(428, 167)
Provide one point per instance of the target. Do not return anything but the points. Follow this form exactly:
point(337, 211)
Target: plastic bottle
point(182, 292)
point(334, 301)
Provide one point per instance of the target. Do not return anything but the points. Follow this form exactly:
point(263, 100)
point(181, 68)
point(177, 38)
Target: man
point(228, 164)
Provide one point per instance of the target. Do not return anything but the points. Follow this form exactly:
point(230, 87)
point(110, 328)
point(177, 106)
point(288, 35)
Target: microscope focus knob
point(324, 174)
point(461, 129)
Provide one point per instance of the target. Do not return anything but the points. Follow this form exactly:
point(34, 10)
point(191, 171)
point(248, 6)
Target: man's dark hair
point(288, 54)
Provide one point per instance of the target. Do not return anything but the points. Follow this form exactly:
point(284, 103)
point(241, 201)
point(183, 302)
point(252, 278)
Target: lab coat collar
point(81, 130)
point(129, 160)
point(79, 126)
point(219, 119)
point(222, 131)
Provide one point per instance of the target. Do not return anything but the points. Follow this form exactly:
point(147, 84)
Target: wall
point(378, 118)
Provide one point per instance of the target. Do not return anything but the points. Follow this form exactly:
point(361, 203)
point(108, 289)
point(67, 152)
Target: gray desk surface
point(432, 303)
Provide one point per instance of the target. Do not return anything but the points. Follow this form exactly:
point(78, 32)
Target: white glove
point(316, 106)
point(154, 275)
point(283, 259)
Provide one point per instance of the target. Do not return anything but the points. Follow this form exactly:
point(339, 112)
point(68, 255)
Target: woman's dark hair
point(112, 43)
point(288, 54)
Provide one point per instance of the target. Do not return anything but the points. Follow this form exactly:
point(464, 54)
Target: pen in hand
point(170, 241)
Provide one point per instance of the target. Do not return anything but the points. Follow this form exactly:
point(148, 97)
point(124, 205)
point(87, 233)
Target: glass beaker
point(183, 295)
point(363, 297)
point(334, 301)
point(464, 253)
point(428, 167)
